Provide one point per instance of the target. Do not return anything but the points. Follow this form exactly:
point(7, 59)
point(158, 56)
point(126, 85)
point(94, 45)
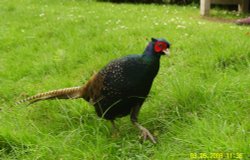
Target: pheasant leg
point(113, 125)
point(115, 130)
point(145, 134)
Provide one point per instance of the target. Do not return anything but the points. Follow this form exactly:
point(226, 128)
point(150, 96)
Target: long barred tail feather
point(66, 93)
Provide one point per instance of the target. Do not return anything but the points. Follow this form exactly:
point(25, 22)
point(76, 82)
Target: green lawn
point(198, 105)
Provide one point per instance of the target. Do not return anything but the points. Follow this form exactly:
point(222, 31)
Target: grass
point(199, 103)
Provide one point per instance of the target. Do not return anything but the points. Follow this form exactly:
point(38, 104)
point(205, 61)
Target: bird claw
point(145, 134)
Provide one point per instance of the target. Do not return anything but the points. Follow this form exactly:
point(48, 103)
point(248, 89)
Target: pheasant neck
point(149, 55)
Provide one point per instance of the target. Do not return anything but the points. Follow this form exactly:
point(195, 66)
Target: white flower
point(156, 23)
point(201, 23)
point(123, 27)
point(180, 26)
point(172, 20)
point(41, 14)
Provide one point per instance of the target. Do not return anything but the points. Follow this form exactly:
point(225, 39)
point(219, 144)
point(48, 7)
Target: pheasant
point(120, 88)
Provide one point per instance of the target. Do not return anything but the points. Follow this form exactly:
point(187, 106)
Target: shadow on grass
point(10, 146)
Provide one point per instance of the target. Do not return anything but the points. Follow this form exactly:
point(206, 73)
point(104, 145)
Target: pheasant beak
point(167, 52)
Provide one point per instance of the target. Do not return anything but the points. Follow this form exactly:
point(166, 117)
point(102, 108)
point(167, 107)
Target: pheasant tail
point(66, 93)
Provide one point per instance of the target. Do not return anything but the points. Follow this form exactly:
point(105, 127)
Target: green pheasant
point(120, 88)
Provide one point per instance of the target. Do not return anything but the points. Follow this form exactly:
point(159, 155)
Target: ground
point(198, 106)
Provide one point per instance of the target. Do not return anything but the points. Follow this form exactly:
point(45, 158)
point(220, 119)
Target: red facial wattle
point(160, 46)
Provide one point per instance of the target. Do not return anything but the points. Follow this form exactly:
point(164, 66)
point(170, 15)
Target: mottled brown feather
point(91, 92)
point(92, 89)
point(66, 93)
